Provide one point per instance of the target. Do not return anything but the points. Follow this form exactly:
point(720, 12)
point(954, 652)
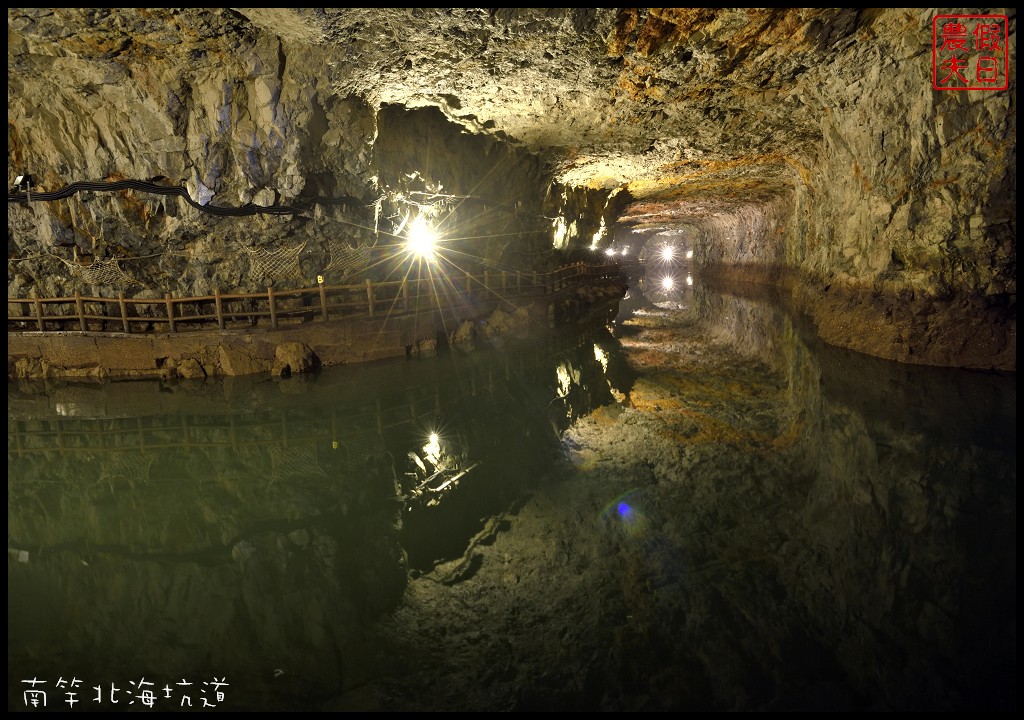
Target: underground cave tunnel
point(454, 359)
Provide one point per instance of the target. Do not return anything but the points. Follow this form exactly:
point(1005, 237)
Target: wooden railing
point(276, 307)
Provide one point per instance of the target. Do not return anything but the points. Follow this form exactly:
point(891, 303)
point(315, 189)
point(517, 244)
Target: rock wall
point(802, 145)
point(898, 229)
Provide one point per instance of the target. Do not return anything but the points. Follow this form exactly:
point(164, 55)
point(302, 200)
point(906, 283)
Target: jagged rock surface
point(801, 144)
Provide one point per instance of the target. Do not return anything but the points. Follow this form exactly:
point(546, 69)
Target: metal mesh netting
point(276, 264)
point(363, 447)
point(295, 461)
point(347, 260)
point(126, 467)
point(100, 272)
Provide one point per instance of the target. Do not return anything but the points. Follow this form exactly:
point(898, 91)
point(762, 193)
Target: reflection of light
point(67, 409)
point(601, 357)
point(432, 450)
point(689, 280)
point(564, 381)
point(625, 250)
point(600, 233)
point(689, 254)
point(421, 240)
point(561, 233)
point(667, 282)
point(609, 252)
point(667, 252)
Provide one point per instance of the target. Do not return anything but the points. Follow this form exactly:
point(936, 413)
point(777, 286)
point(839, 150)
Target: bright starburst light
point(421, 241)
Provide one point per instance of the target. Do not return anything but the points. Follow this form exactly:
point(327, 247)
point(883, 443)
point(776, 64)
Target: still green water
point(232, 543)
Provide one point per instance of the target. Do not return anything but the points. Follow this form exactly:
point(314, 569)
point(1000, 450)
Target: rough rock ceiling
point(806, 141)
point(675, 102)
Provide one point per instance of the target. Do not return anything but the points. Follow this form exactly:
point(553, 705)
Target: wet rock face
point(806, 142)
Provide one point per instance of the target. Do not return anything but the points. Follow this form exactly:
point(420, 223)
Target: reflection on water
point(878, 499)
point(253, 531)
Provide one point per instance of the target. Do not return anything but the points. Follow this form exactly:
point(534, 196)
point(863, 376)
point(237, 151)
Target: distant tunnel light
point(421, 240)
point(667, 252)
point(667, 282)
point(689, 279)
point(609, 252)
point(689, 254)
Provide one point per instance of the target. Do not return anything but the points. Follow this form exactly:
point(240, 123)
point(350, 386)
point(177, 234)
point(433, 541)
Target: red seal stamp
point(970, 52)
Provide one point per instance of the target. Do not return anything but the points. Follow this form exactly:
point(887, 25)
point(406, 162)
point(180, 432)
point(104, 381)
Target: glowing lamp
point(421, 240)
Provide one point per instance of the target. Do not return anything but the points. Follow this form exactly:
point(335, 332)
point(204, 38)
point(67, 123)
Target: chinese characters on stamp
point(970, 52)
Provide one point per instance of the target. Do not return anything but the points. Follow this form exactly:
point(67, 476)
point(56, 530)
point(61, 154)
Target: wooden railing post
point(369, 295)
point(80, 307)
point(519, 282)
point(405, 295)
point(124, 311)
point(503, 287)
point(469, 285)
point(170, 310)
point(273, 306)
point(535, 281)
point(39, 309)
point(323, 298)
point(218, 305)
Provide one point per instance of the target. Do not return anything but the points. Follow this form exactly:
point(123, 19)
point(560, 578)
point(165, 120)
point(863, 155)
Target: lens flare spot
point(625, 514)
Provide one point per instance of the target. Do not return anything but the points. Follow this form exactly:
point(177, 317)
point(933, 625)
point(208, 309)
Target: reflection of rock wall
point(228, 551)
point(881, 538)
point(258, 532)
point(295, 604)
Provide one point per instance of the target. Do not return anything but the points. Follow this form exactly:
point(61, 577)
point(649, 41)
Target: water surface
point(259, 533)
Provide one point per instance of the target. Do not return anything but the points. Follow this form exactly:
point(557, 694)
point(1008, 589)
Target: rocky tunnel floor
point(650, 574)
